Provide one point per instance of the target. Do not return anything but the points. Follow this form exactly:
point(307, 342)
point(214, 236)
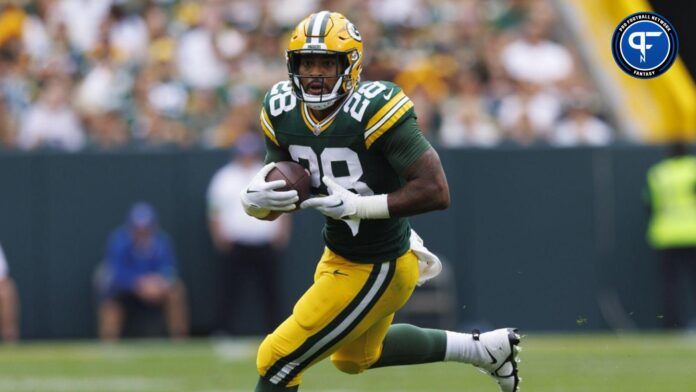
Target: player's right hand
point(261, 197)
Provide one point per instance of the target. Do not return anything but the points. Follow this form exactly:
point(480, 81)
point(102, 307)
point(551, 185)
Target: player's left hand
point(339, 204)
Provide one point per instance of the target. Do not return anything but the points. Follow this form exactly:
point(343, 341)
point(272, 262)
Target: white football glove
point(261, 197)
point(347, 206)
point(339, 204)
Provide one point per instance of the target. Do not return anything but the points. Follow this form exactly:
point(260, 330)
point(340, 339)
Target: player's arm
point(416, 161)
point(274, 154)
point(426, 187)
point(261, 199)
point(412, 157)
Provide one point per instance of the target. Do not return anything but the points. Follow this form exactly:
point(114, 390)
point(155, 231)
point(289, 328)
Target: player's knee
point(264, 357)
point(352, 366)
point(352, 363)
point(348, 366)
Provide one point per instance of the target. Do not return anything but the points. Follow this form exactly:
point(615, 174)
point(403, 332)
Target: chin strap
point(315, 101)
point(320, 105)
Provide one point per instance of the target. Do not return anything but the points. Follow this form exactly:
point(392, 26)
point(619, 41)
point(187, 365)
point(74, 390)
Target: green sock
point(407, 345)
point(265, 386)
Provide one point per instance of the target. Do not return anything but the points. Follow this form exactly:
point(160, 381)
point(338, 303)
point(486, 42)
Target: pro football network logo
point(645, 45)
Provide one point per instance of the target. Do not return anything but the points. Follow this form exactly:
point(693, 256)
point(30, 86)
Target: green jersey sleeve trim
point(404, 144)
point(275, 153)
point(267, 127)
point(265, 121)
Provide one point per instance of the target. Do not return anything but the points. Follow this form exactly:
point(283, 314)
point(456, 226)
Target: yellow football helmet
point(327, 33)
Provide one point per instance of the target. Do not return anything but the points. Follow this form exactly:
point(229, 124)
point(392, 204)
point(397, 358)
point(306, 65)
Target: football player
point(370, 168)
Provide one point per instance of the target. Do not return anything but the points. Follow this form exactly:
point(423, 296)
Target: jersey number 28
point(322, 164)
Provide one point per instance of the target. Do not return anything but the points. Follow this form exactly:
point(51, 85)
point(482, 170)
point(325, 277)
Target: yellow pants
point(345, 314)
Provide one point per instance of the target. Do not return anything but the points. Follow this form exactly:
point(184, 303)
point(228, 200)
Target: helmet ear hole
point(343, 63)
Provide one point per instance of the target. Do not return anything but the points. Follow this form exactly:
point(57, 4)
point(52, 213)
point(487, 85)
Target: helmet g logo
point(645, 45)
point(353, 31)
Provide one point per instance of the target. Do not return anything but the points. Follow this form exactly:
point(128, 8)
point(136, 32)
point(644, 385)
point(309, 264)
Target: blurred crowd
point(112, 74)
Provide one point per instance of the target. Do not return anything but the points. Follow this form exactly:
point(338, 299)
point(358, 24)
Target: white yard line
point(234, 349)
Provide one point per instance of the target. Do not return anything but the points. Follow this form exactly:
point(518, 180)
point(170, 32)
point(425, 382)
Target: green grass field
point(558, 363)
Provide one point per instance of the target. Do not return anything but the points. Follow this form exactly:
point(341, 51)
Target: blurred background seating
point(150, 74)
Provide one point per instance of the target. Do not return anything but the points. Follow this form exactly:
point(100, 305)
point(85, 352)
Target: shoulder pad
point(388, 106)
point(278, 100)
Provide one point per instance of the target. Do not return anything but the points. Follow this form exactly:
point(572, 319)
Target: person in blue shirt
point(9, 304)
point(141, 267)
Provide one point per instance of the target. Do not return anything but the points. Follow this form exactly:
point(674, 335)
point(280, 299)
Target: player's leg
point(360, 354)
point(691, 272)
point(266, 265)
point(176, 311)
point(225, 291)
point(383, 344)
point(9, 310)
point(394, 345)
point(111, 316)
point(403, 344)
point(345, 301)
point(493, 352)
point(424, 346)
point(669, 269)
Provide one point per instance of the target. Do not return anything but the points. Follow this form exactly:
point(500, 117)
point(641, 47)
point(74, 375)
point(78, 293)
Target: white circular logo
point(353, 32)
point(645, 45)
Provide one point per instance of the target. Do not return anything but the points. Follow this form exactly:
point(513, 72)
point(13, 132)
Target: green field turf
point(558, 363)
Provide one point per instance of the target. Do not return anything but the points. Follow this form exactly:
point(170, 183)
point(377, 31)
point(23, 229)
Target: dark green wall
point(535, 237)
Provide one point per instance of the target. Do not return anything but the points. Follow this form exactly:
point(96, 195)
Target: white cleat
point(502, 347)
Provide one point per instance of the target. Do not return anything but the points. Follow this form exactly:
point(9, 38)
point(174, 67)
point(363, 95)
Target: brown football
point(296, 177)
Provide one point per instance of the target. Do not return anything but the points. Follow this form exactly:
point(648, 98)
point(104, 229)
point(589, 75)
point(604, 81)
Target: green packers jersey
point(365, 145)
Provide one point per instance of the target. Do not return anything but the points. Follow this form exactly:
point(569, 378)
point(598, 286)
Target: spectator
point(242, 115)
point(400, 12)
point(527, 115)
point(12, 19)
point(15, 85)
point(672, 228)
point(286, 13)
point(141, 271)
point(103, 87)
point(83, 31)
point(9, 305)
point(250, 247)
point(162, 99)
point(36, 37)
point(534, 58)
point(199, 58)
point(465, 119)
point(128, 33)
point(165, 65)
point(42, 41)
point(109, 131)
point(581, 127)
point(8, 128)
point(51, 122)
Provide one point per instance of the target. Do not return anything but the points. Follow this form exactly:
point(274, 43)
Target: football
point(296, 177)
